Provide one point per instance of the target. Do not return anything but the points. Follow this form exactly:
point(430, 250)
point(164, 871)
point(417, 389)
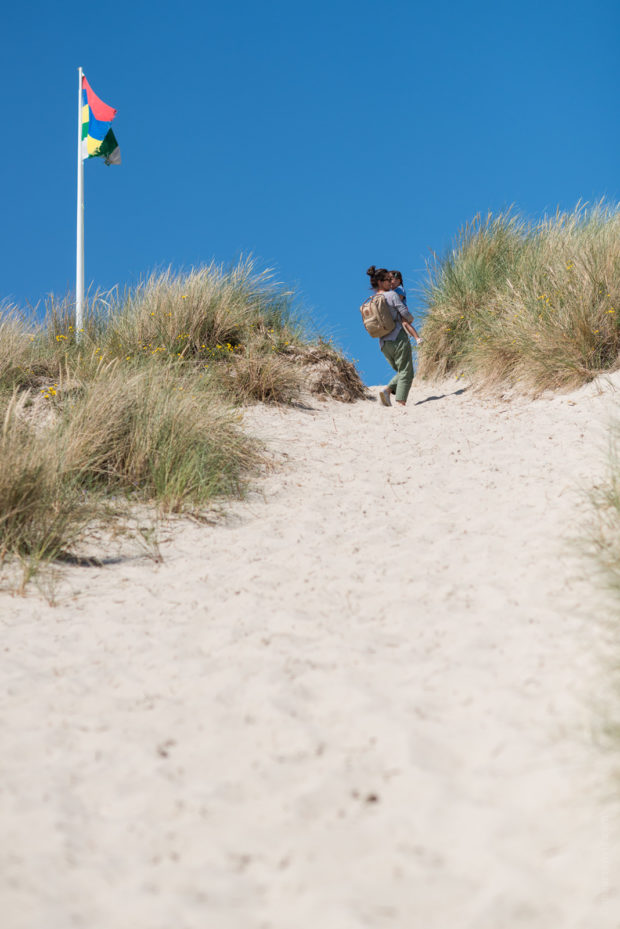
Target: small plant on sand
point(259, 377)
point(42, 507)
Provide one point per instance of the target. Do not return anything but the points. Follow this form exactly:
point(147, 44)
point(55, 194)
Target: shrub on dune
point(141, 402)
point(42, 508)
point(263, 378)
point(326, 371)
point(193, 315)
point(538, 304)
point(157, 434)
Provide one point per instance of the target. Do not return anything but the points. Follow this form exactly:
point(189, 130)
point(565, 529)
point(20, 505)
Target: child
point(397, 287)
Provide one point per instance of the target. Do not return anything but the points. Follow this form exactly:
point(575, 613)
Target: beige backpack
point(376, 316)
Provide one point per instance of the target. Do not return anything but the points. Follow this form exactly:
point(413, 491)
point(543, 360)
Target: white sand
point(370, 699)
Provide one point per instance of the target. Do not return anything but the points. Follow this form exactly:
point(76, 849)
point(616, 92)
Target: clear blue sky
point(322, 137)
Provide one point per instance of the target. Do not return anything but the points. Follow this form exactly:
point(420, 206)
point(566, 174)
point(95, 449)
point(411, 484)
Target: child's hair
point(378, 274)
point(398, 276)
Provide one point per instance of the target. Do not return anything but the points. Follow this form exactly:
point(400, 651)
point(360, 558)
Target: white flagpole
point(79, 259)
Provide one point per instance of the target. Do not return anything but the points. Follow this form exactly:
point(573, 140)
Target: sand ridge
point(365, 699)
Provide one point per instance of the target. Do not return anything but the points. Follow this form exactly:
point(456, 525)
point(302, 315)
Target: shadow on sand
point(82, 561)
point(455, 393)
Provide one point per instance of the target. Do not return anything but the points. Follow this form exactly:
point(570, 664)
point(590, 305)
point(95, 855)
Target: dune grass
point(42, 508)
point(156, 433)
point(535, 305)
point(17, 336)
point(143, 403)
point(199, 314)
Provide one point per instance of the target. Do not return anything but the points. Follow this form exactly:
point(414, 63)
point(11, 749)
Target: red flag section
point(100, 110)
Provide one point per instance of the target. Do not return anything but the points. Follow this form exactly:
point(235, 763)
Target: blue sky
point(320, 137)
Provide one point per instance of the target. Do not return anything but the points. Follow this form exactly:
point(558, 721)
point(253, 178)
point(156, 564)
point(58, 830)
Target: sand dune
point(368, 698)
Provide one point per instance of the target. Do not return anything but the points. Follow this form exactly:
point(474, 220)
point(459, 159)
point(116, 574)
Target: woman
point(395, 345)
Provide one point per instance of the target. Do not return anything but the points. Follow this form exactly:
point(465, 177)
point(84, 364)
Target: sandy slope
point(364, 701)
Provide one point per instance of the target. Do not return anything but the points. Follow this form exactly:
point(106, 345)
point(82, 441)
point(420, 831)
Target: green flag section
point(109, 149)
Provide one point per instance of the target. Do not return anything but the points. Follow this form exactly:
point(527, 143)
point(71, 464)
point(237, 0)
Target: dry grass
point(16, 348)
point(264, 378)
point(141, 403)
point(202, 315)
point(152, 436)
point(327, 372)
point(155, 433)
point(42, 508)
point(536, 306)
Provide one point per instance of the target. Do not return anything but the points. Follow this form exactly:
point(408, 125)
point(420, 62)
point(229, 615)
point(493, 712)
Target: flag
point(98, 140)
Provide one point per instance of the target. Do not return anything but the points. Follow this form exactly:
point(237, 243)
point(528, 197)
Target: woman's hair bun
point(371, 270)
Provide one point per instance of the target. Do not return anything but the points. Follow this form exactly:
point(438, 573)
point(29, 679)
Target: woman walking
point(395, 345)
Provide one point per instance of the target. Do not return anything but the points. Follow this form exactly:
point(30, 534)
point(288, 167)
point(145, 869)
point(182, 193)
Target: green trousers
point(398, 353)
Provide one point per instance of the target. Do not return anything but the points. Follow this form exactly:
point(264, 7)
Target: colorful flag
point(98, 140)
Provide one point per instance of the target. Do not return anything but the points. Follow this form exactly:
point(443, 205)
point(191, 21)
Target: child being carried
point(397, 286)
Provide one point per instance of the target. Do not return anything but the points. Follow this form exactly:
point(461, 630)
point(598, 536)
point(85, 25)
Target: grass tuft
point(155, 433)
point(42, 508)
point(533, 304)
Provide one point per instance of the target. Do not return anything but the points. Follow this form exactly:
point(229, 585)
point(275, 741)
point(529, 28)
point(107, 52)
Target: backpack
point(376, 316)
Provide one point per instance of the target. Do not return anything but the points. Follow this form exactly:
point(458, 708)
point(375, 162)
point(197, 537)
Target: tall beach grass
point(156, 433)
point(42, 508)
point(532, 304)
point(143, 403)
